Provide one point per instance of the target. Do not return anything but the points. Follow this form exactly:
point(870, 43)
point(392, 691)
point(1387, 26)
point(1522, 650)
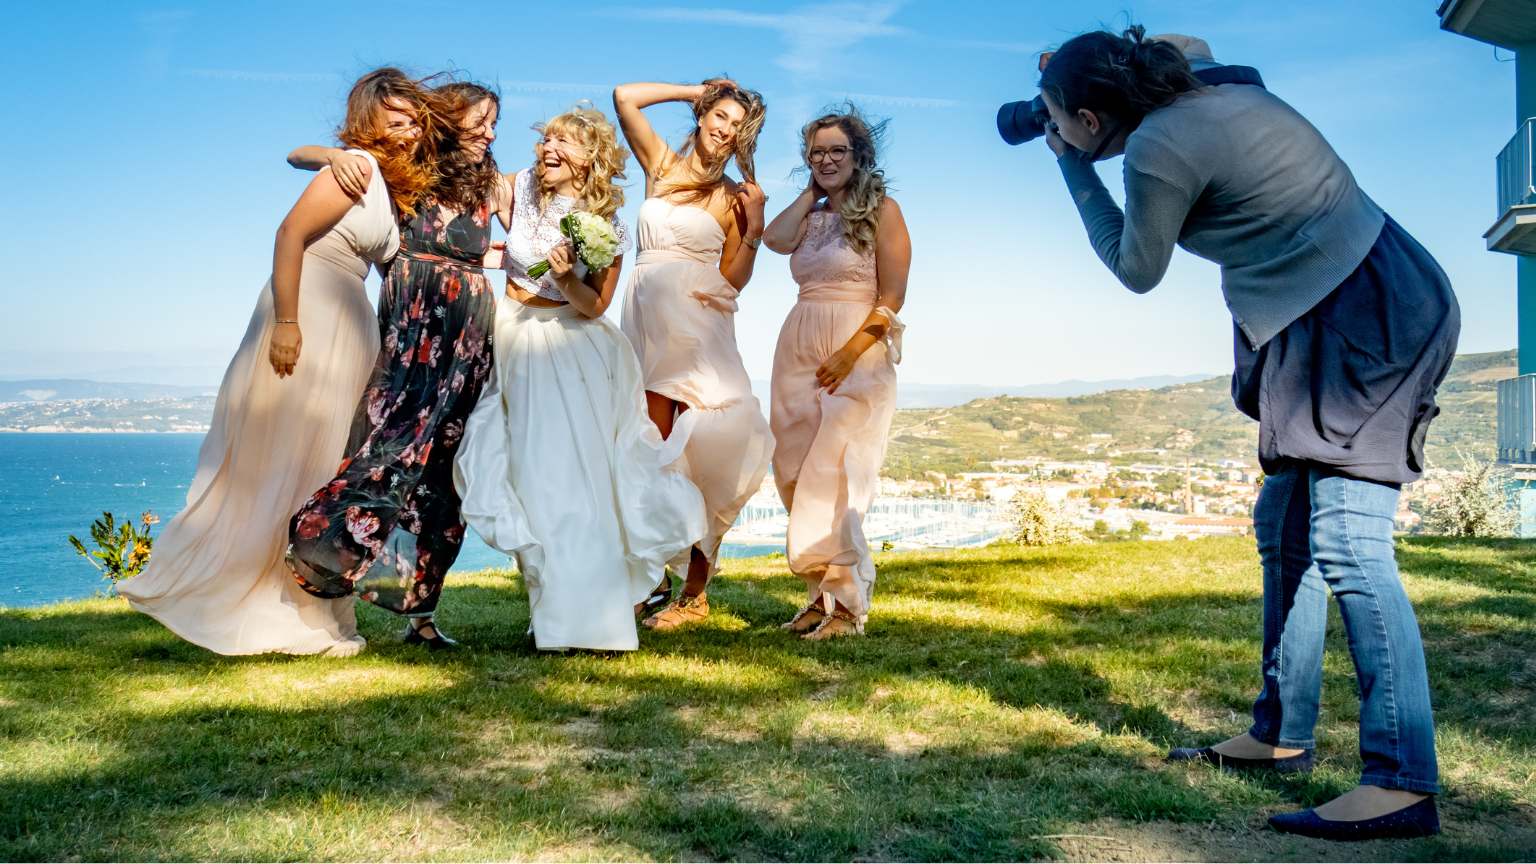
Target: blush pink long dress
point(680, 315)
point(830, 445)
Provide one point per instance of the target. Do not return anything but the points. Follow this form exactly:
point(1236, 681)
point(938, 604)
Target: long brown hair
point(866, 188)
point(743, 148)
point(604, 157)
point(409, 168)
point(1125, 77)
point(463, 183)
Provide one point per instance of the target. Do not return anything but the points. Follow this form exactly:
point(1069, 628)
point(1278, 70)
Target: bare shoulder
point(889, 207)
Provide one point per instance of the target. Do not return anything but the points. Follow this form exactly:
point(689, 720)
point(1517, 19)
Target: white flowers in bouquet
point(593, 237)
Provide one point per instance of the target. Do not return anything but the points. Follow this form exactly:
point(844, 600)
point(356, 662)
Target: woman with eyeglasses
point(561, 467)
point(834, 370)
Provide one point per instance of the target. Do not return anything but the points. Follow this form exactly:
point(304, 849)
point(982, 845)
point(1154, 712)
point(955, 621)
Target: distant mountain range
point(56, 389)
point(948, 429)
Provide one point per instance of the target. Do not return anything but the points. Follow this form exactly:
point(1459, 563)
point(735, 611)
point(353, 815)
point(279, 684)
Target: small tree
point(122, 551)
point(1472, 504)
point(1037, 522)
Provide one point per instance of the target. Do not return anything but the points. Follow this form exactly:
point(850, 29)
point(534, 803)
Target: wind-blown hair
point(602, 159)
point(1125, 77)
point(866, 188)
point(409, 168)
point(463, 183)
point(743, 149)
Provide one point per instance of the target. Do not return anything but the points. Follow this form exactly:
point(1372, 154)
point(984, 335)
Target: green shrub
point(122, 550)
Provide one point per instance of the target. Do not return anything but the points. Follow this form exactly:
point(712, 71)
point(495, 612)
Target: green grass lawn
point(1005, 704)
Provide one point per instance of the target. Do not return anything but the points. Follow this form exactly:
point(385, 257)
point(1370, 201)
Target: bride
point(280, 423)
point(560, 466)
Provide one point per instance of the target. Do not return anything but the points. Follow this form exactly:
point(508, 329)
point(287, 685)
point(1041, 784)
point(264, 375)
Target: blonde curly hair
point(866, 189)
point(601, 159)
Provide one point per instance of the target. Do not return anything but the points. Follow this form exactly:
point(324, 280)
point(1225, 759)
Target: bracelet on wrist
point(287, 321)
point(754, 242)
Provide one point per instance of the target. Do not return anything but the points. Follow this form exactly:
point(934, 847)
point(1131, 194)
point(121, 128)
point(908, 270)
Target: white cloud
point(812, 33)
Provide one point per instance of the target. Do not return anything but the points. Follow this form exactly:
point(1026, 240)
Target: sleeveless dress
point(830, 446)
point(561, 466)
point(217, 577)
point(680, 314)
point(387, 525)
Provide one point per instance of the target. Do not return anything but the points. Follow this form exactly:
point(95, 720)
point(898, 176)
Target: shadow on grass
point(521, 754)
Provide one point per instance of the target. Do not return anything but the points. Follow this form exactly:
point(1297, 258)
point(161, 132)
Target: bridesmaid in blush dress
point(834, 370)
point(699, 232)
point(217, 577)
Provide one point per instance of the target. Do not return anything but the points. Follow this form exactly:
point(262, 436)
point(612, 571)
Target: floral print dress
point(388, 526)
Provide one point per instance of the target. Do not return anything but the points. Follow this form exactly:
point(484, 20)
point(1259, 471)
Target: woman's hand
point(836, 369)
point(562, 260)
point(1054, 140)
point(287, 340)
point(352, 172)
point(750, 199)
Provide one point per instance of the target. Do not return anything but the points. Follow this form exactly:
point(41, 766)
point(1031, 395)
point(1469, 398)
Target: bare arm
point(317, 211)
point(352, 171)
point(629, 102)
point(502, 199)
point(590, 296)
point(893, 261)
point(742, 236)
point(784, 233)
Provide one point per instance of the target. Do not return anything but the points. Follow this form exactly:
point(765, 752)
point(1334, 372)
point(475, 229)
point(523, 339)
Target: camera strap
point(1230, 75)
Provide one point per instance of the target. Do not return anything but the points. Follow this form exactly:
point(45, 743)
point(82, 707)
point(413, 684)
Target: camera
point(1018, 122)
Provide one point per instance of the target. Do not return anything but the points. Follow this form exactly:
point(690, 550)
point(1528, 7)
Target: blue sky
point(144, 149)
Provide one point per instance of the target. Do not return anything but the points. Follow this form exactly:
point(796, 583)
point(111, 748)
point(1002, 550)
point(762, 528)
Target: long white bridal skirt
point(216, 576)
point(562, 469)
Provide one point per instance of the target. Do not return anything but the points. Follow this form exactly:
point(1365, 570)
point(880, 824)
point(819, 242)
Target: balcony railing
point(1517, 420)
point(1515, 230)
point(1517, 185)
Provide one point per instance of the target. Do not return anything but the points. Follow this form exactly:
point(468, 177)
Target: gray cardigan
point(1236, 176)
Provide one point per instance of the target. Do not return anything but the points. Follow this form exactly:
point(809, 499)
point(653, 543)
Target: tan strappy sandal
point(683, 610)
point(840, 623)
point(807, 619)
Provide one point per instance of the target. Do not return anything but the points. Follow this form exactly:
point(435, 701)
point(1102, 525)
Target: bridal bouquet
point(593, 237)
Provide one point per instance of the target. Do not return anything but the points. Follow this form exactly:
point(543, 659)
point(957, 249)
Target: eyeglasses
point(822, 154)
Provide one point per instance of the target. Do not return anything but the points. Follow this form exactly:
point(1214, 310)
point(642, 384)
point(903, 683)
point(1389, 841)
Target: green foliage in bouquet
point(122, 550)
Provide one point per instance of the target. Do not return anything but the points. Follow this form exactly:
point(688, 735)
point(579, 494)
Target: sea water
point(55, 485)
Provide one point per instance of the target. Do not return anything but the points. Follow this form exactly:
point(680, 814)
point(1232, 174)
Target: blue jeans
point(1316, 528)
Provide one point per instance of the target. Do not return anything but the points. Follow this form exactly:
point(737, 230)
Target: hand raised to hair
point(750, 198)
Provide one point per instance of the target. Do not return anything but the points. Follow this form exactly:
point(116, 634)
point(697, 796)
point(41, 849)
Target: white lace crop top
point(535, 232)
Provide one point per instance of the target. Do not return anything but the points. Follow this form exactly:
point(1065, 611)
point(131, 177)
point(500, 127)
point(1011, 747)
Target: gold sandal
point(807, 619)
point(840, 623)
point(683, 610)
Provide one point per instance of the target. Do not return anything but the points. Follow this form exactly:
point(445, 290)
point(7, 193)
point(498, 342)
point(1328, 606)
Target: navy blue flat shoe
point(437, 641)
point(1300, 763)
point(1417, 820)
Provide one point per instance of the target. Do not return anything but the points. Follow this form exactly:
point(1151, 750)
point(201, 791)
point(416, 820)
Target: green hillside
point(1133, 425)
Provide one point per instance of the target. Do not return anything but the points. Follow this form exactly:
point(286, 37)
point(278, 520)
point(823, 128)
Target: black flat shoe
point(659, 597)
point(1300, 763)
point(437, 641)
point(1416, 820)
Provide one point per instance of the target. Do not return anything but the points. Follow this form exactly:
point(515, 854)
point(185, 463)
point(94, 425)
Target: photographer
point(1343, 328)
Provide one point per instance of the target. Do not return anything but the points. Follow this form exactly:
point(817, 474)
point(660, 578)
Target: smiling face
point(562, 160)
point(478, 129)
point(831, 159)
point(718, 127)
point(397, 118)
